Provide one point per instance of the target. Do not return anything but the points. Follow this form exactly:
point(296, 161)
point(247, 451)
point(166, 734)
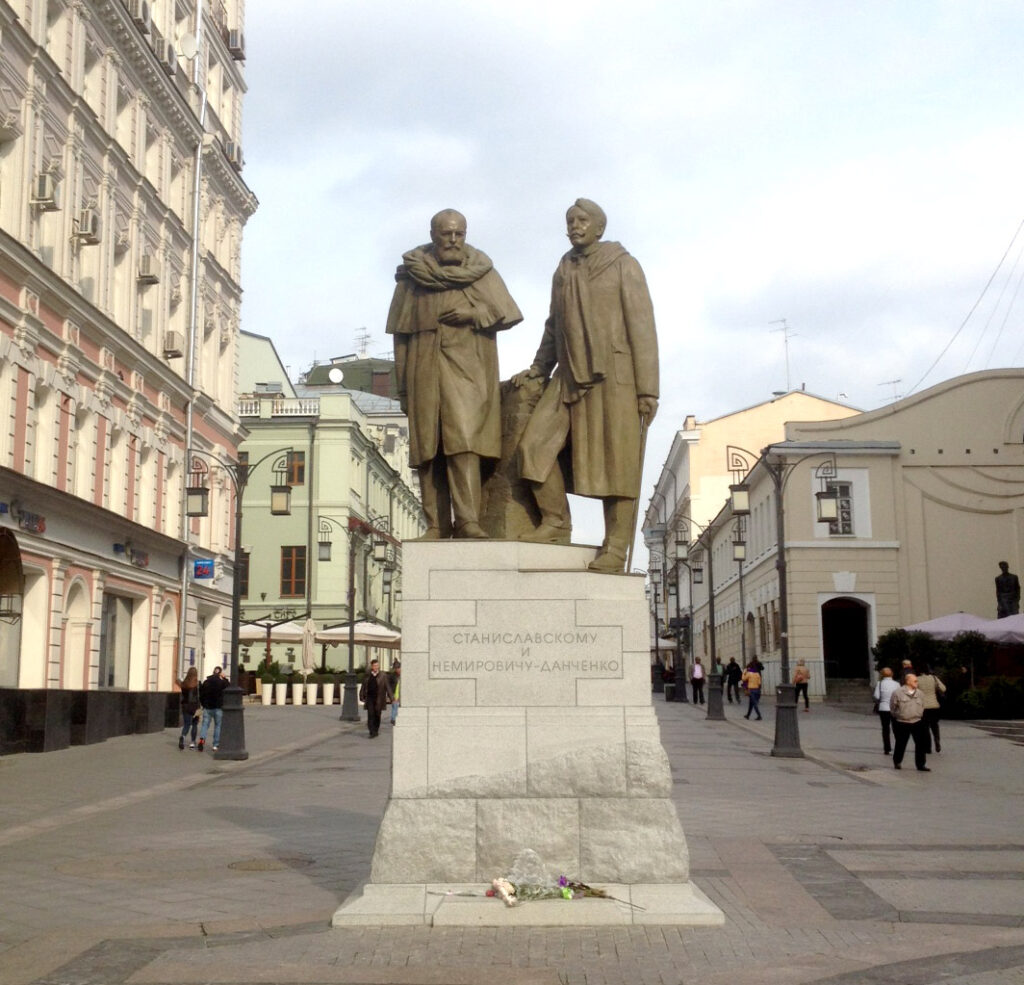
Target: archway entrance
point(844, 634)
point(12, 592)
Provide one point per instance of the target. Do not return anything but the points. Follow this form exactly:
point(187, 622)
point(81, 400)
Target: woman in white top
point(884, 690)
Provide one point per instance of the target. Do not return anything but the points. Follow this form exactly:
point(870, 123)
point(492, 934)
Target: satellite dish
point(335, 375)
point(187, 46)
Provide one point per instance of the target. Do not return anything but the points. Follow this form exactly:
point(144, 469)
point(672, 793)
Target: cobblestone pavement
point(132, 862)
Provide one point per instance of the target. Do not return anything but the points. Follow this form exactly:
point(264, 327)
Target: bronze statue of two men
point(598, 354)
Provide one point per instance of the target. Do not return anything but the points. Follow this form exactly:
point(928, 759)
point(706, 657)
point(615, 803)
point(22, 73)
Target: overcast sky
point(853, 168)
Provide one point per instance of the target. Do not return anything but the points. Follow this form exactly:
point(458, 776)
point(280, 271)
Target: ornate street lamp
point(197, 502)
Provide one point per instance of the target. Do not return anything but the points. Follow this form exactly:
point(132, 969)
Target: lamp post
point(232, 736)
point(787, 729)
point(386, 553)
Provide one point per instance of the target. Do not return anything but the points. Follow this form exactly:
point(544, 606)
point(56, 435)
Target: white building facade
point(121, 214)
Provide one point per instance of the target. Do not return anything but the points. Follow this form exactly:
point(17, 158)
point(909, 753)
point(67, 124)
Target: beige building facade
point(930, 498)
point(693, 485)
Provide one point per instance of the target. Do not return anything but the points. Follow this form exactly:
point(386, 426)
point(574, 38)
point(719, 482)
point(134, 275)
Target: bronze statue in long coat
point(601, 343)
point(448, 305)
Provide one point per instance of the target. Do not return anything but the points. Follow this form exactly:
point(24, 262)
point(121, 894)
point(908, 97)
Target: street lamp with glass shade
point(740, 495)
point(197, 501)
point(828, 505)
point(280, 500)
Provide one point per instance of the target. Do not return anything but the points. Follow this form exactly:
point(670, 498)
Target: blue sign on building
point(202, 568)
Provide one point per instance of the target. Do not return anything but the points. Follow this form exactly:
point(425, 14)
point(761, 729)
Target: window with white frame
point(843, 491)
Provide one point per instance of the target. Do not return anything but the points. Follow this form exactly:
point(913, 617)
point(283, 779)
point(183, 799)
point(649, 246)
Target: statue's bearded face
point(448, 235)
point(581, 228)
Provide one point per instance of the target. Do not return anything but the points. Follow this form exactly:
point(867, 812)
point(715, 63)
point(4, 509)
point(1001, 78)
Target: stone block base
point(464, 905)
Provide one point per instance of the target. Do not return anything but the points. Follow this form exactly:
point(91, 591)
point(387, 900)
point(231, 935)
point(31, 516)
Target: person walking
point(697, 681)
point(883, 693)
point(801, 678)
point(211, 696)
point(375, 695)
point(733, 676)
point(907, 707)
point(189, 707)
point(931, 687)
point(752, 681)
point(396, 689)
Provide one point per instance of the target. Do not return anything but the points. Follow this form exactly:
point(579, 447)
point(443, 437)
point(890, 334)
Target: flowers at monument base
point(512, 894)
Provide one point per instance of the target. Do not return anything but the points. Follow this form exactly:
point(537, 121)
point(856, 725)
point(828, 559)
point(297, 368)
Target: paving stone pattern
point(132, 862)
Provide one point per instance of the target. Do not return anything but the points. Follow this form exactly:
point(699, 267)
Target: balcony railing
point(281, 406)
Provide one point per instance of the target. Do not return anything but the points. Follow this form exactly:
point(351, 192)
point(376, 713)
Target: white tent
point(366, 634)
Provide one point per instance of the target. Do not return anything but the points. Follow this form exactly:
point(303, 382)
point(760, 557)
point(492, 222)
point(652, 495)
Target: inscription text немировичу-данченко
point(586, 652)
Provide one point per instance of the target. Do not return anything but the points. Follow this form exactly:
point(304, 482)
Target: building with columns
point(122, 205)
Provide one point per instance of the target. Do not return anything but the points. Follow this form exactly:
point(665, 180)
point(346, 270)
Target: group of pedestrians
point(207, 698)
point(909, 709)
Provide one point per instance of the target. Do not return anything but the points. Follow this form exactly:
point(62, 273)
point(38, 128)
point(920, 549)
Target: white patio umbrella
point(366, 634)
point(1009, 629)
point(948, 626)
point(308, 642)
point(285, 632)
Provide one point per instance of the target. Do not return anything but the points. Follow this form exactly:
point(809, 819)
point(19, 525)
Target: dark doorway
point(844, 633)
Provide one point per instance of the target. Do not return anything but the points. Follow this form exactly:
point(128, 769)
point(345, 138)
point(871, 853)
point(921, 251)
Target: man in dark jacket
point(211, 697)
point(375, 695)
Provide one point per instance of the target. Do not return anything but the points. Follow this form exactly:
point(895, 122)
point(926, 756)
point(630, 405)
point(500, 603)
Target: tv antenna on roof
point(363, 340)
point(786, 336)
point(892, 383)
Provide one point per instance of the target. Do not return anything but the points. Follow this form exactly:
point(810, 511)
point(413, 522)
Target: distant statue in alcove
point(1007, 592)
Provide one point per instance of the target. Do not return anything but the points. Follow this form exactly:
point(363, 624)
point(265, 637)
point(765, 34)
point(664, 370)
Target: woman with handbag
point(931, 688)
point(752, 682)
point(885, 688)
point(189, 707)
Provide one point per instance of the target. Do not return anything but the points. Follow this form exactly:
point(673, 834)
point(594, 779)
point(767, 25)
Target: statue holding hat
point(600, 351)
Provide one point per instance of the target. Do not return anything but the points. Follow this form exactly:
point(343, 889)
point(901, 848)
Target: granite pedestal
point(526, 723)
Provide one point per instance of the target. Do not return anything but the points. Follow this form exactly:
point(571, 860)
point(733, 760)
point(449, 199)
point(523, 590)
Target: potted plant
point(266, 683)
point(312, 684)
point(330, 682)
point(280, 689)
point(297, 688)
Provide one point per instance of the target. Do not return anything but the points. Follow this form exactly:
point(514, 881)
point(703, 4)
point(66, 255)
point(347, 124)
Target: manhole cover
point(269, 864)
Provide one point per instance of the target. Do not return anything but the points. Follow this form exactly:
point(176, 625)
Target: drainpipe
point(190, 367)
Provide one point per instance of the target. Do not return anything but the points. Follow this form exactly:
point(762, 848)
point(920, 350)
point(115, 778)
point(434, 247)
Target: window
point(243, 575)
point(296, 468)
point(293, 572)
point(844, 493)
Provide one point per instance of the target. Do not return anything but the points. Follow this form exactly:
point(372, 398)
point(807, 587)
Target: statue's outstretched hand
point(527, 374)
point(647, 407)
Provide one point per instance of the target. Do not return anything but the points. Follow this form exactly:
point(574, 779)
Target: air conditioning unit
point(166, 55)
point(173, 345)
point(149, 272)
point(233, 151)
point(46, 193)
point(89, 227)
point(139, 9)
point(236, 45)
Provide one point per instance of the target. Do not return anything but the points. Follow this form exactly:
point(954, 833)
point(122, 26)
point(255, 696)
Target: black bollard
point(232, 730)
point(716, 713)
point(787, 728)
